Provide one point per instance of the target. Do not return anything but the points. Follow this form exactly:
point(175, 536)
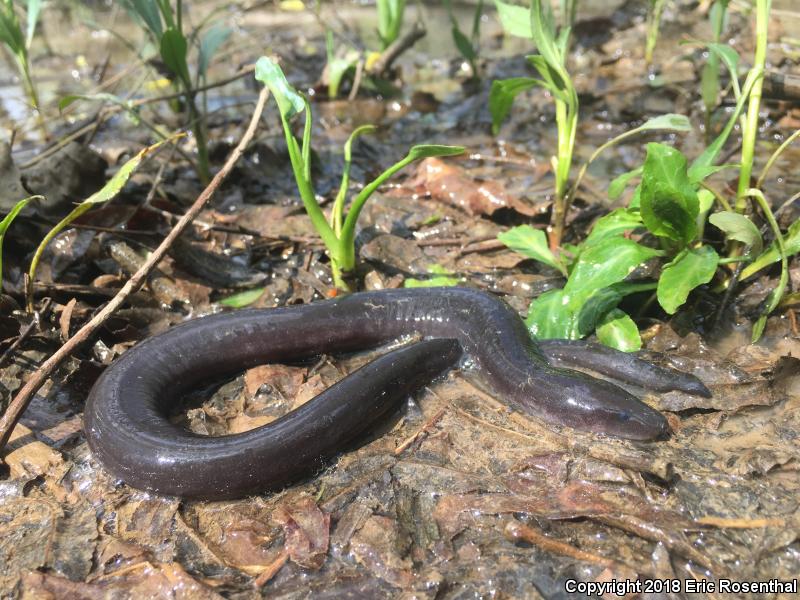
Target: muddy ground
point(458, 496)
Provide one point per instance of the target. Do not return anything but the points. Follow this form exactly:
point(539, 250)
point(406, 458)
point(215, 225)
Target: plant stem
point(754, 104)
point(199, 132)
point(653, 21)
point(566, 122)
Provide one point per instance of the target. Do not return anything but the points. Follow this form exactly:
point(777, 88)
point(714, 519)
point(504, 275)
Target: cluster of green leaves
point(338, 233)
point(390, 20)
point(19, 42)
point(164, 25)
point(538, 25)
point(669, 206)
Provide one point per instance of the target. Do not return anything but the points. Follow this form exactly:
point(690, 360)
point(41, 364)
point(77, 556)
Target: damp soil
point(457, 496)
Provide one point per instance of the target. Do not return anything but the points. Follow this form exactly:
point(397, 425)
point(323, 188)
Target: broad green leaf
point(605, 263)
point(502, 94)
point(516, 20)
point(600, 302)
point(209, 44)
point(615, 223)
point(771, 255)
point(270, 74)
point(243, 299)
point(738, 227)
point(173, 50)
point(429, 150)
point(620, 182)
point(532, 243)
point(618, 330)
point(691, 268)
point(591, 312)
point(669, 203)
point(549, 317)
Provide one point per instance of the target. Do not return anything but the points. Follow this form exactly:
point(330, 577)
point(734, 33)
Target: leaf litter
point(457, 495)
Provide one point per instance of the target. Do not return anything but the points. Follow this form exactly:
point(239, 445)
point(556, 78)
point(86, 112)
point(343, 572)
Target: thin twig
point(29, 328)
point(24, 396)
point(396, 48)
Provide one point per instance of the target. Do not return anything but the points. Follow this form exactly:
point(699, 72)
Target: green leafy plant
point(671, 203)
point(654, 15)
point(19, 42)
point(112, 187)
point(338, 233)
point(390, 20)
point(538, 25)
point(164, 25)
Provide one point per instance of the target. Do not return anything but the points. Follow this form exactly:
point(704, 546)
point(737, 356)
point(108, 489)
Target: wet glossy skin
point(128, 431)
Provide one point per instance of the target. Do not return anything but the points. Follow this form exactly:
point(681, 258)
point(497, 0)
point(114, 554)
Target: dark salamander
point(126, 413)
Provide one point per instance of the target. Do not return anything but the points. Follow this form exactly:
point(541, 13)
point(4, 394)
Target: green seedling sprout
point(112, 187)
point(6, 223)
point(539, 26)
point(338, 234)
